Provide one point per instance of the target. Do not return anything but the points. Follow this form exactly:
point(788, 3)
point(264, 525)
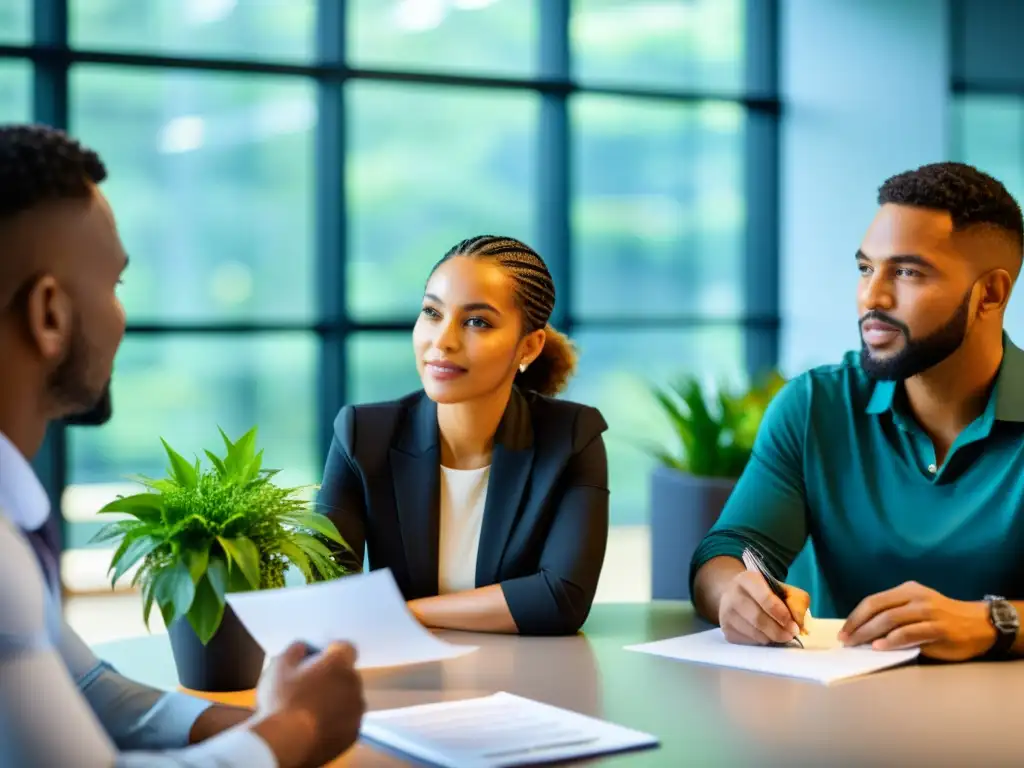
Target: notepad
point(823, 659)
point(497, 730)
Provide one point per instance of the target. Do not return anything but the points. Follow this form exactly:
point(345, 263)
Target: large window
point(988, 130)
point(285, 172)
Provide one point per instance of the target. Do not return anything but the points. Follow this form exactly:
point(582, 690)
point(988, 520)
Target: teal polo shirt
point(842, 475)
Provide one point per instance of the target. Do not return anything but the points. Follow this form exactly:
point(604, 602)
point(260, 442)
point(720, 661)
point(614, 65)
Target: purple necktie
point(45, 548)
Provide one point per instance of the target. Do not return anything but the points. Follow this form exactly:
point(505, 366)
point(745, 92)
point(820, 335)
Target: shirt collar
point(1010, 384)
point(23, 499)
point(1007, 393)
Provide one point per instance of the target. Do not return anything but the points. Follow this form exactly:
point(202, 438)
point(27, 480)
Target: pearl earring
point(522, 368)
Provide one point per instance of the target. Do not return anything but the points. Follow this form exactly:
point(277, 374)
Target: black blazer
point(545, 523)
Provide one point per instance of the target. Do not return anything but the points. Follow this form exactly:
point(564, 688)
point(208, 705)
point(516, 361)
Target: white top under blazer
point(463, 494)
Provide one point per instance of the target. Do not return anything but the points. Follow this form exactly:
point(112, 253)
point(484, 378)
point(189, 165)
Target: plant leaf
point(197, 561)
point(217, 576)
point(147, 507)
point(243, 553)
point(241, 453)
point(678, 418)
point(681, 422)
point(296, 556)
point(206, 612)
point(217, 463)
point(702, 453)
point(147, 602)
point(718, 440)
point(227, 441)
point(319, 523)
point(113, 530)
point(252, 470)
point(132, 550)
point(319, 555)
point(237, 581)
point(311, 545)
point(181, 470)
point(163, 485)
point(174, 591)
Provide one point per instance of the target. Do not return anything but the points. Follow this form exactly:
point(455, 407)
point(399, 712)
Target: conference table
point(919, 714)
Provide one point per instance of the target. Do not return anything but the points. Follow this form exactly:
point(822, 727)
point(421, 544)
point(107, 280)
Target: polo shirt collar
point(1009, 391)
point(882, 397)
point(1005, 404)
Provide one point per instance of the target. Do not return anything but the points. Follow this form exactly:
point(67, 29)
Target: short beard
point(100, 413)
point(68, 386)
point(917, 355)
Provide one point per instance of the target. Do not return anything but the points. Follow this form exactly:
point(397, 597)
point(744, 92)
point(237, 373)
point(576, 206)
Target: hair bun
point(550, 372)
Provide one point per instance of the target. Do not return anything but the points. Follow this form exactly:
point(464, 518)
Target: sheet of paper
point(364, 609)
point(497, 730)
point(823, 659)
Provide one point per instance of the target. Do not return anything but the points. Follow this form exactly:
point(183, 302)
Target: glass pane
point(428, 167)
point(479, 37)
point(15, 92)
point(615, 371)
point(266, 29)
point(381, 366)
point(669, 44)
point(989, 131)
point(181, 388)
point(16, 22)
point(658, 210)
point(211, 180)
point(990, 136)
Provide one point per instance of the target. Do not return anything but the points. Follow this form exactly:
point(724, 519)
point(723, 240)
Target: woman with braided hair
point(485, 496)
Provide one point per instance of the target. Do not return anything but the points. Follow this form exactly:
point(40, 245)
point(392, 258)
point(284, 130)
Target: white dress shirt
point(59, 704)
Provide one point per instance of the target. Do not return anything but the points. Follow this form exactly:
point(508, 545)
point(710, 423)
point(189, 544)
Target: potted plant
point(689, 487)
point(202, 532)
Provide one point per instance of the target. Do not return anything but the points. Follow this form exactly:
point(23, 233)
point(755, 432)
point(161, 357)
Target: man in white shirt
point(60, 327)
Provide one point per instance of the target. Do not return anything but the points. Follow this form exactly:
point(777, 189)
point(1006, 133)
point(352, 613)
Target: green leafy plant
point(202, 532)
point(716, 433)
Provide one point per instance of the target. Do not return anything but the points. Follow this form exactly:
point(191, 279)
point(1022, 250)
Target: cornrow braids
point(40, 164)
point(535, 289)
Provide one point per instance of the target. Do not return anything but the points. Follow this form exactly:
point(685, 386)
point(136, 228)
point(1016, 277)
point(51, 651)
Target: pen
point(753, 562)
point(312, 650)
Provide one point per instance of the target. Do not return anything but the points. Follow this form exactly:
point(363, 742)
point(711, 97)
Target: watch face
point(1004, 616)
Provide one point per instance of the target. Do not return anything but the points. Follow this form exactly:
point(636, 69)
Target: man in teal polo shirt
point(903, 463)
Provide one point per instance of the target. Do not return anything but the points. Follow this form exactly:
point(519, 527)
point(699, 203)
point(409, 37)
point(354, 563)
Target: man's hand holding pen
point(751, 614)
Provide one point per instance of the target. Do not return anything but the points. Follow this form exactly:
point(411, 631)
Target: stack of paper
point(366, 610)
point(497, 730)
point(822, 659)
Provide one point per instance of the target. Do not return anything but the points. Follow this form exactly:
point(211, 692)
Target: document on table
point(497, 730)
point(365, 609)
point(823, 659)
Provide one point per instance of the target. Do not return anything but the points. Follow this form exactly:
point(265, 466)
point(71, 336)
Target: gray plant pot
point(231, 661)
point(683, 509)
